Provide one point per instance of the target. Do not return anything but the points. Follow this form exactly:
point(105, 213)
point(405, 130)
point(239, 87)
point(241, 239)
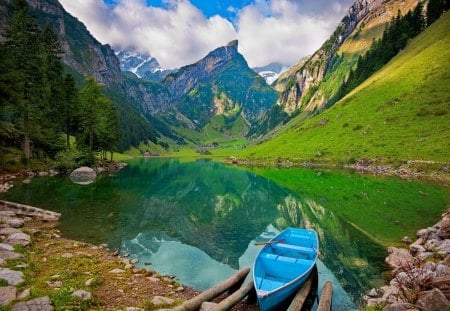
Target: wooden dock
point(305, 297)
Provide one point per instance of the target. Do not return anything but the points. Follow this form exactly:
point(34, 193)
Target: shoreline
point(420, 273)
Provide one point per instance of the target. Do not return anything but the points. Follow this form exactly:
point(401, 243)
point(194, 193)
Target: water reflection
point(199, 220)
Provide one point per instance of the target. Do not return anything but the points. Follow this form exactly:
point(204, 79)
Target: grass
point(385, 209)
point(398, 114)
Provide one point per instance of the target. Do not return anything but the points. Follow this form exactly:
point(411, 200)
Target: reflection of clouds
point(168, 256)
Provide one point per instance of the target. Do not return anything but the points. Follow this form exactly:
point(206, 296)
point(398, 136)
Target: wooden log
point(234, 299)
point(325, 297)
point(211, 293)
point(302, 294)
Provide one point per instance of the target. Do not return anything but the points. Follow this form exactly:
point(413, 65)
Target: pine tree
point(23, 72)
point(70, 107)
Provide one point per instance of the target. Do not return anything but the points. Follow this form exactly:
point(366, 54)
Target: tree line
point(42, 103)
point(394, 39)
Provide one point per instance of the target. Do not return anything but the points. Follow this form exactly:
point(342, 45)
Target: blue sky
point(224, 8)
point(180, 32)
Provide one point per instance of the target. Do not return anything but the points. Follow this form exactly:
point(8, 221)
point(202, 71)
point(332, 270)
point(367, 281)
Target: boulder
point(398, 257)
point(83, 175)
point(444, 248)
point(19, 238)
point(444, 228)
point(82, 294)
point(38, 304)
point(11, 276)
point(416, 248)
point(433, 244)
point(407, 240)
point(7, 295)
point(432, 300)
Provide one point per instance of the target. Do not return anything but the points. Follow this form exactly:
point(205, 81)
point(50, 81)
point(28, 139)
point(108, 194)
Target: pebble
point(117, 271)
point(82, 294)
point(134, 261)
point(67, 255)
point(153, 279)
point(89, 282)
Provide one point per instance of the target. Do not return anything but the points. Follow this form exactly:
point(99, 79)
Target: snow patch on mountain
point(270, 72)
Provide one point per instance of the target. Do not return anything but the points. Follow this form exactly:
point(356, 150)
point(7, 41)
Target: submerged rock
point(83, 175)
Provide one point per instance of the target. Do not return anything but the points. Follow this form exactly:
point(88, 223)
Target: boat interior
point(284, 260)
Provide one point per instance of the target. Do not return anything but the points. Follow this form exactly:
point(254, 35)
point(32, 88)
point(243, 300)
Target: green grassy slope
point(402, 112)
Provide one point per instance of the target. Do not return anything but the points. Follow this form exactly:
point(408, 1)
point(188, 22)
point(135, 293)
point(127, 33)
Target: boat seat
point(289, 247)
point(300, 236)
point(270, 283)
point(269, 256)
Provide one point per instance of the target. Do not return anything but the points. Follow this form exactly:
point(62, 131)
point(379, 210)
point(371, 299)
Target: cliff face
point(315, 68)
point(81, 51)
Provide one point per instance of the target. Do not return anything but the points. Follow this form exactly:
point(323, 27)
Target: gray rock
point(406, 240)
point(4, 254)
point(67, 255)
point(6, 247)
point(416, 248)
point(424, 256)
point(82, 294)
point(12, 222)
point(117, 271)
point(19, 238)
point(400, 306)
point(153, 279)
point(432, 300)
point(11, 276)
point(89, 282)
point(7, 295)
point(444, 248)
point(159, 300)
point(446, 261)
point(373, 302)
point(8, 231)
point(444, 228)
point(442, 270)
point(422, 233)
point(83, 175)
point(38, 304)
point(25, 294)
point(432, 244)
point(398, 257)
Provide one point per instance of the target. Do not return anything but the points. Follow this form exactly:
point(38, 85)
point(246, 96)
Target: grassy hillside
point(400, 113)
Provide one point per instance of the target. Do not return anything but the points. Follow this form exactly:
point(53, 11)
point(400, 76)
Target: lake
point(199, 220)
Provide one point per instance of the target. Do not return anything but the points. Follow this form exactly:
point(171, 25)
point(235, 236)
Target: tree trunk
point(235, 298)
point(210, 294)
point(325, 298)
point(67, 136)
point(26, 134)
point(112, 153)
point(91, 137)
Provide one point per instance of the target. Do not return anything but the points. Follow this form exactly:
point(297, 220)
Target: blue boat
point(283, 265)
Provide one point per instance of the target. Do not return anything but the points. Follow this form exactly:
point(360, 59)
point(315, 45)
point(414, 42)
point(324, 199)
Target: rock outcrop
point(421, 274)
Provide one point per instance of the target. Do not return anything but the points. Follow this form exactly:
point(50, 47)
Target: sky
point(180, 32)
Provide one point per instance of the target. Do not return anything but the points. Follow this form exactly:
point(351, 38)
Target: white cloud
point(268, 31)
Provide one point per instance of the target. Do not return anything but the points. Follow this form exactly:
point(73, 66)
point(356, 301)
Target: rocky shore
point(40, 270)
point(420, 273)
point(413, 169)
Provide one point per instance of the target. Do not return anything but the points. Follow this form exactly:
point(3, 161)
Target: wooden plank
point(302, 294)
point(325, 297)
point(234, 299)
point(211, 293)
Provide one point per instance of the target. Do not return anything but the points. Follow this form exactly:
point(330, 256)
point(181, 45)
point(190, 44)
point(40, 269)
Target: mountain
point(219, 93)
point(142, 65)
point(270, 72)
point(399, 114)
point(311, 84)
point(84, 56)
